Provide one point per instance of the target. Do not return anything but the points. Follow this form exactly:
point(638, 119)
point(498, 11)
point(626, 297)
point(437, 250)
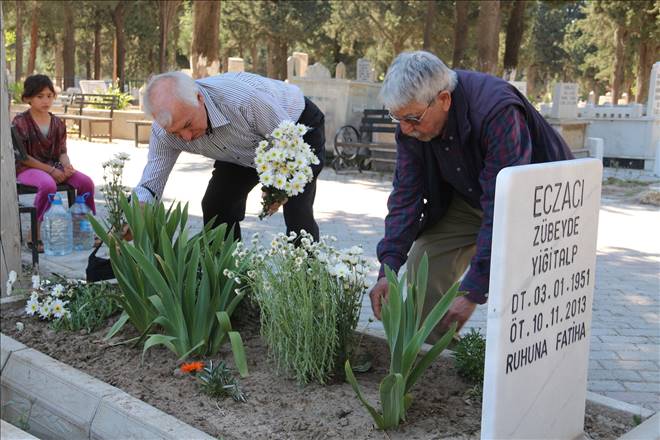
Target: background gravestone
point(340, 70)
point(300, 62)
point(363, 70)
point(317, 71)
point(539, 308)
point(235, 64)
point(93, 86)
point(564, 101)
point(653, 105)
point(520, 85)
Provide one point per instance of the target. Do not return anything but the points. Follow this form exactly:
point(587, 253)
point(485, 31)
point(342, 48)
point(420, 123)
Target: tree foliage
point(603, 45)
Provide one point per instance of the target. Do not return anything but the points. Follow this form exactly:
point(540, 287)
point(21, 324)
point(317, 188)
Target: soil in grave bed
point(277, 408)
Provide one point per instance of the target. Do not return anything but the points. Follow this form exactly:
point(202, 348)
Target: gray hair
point(181, 88)
point(415, 77)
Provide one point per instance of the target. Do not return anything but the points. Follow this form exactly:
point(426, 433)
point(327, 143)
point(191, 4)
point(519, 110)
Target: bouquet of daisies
point(283, 163)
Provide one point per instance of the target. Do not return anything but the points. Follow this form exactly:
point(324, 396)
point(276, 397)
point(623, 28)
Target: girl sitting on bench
point(44, 140)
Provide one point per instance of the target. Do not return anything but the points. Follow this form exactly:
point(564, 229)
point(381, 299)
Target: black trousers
point(230, 184)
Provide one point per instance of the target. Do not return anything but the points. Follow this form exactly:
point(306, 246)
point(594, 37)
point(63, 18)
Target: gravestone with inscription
point(564, 101)
point(539, 307)
point(364, 70)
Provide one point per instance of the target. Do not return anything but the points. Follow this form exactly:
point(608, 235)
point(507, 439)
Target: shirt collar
point(214, 117)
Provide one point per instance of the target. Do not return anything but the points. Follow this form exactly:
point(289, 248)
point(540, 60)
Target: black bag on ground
point(98, 269)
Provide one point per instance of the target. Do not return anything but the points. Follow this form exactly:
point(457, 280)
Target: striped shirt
point(243, 109)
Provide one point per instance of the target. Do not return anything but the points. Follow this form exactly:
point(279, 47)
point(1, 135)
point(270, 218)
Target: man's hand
point(378, 295)
point(459, 311)
point(275, 206)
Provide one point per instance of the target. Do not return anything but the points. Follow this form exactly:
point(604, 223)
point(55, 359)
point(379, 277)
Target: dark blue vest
point(477, 98)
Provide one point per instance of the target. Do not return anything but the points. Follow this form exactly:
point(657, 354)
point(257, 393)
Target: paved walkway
point(625, 357)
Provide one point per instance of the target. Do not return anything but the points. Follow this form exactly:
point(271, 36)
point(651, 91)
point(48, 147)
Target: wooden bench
point(358, 148)
point(138, 123)
point(77, 102)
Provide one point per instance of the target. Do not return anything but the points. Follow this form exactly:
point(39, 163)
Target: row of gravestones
point(565, 99)
point(297, 66)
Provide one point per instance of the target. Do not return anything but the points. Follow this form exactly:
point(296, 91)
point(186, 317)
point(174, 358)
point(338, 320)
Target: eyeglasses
point(412, 120)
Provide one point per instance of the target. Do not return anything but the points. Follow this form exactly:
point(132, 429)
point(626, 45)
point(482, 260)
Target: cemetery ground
point(624, 358)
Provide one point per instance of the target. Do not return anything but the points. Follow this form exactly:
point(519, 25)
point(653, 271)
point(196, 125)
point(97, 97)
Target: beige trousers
point(450, 245)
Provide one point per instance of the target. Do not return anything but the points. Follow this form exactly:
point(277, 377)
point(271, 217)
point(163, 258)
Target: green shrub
point(217, 381)
point(309, 298)
point(174, 290)
point(16, 92)
point(89, 306)
point(123, 99)
point(470, 357)
point(405, 334)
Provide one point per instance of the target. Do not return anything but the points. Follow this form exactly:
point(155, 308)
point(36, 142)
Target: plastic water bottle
point(83, 235)
point(57, 228)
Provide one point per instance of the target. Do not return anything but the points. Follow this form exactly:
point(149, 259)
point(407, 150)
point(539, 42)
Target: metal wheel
point(346, 134)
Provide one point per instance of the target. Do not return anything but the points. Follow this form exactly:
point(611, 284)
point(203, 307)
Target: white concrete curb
point(10, 432)
point(649, 430)
point(62, 402)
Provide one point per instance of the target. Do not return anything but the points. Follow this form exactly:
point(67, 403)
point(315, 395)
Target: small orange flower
point(192, 367)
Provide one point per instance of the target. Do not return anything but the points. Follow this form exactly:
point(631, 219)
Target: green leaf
point(429, 357)
point(350, 377)
point(117, 325)
point(239, 353)
point(392, 400)
point(422, 279)
point(158, 340)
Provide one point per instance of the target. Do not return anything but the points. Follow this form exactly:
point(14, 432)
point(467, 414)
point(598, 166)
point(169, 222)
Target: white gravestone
point(289, 68)
point(340, 71)
point(301, 60)
point(93, 86)
point(653, 104)
point(363, 70)
point(564, 101)
point(235, 64)
point(317, 71)
point(539, 307)
point(520, 85)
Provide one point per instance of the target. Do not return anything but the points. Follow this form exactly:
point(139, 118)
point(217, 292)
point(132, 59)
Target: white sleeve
point(160, 161)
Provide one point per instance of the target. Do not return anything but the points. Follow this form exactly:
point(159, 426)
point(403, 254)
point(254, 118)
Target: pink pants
point(45, 185)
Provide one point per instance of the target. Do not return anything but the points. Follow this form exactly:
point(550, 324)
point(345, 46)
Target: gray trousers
point(450, 245)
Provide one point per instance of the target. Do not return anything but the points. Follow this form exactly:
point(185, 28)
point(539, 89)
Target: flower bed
point(276, 406)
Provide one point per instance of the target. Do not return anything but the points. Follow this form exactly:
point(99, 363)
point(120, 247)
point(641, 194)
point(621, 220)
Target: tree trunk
point(97, 50)
point(488, 39)
point(18, 68)
point(620, 36)
point(89, 55)
point(114, 59)
point(254, 54)
point(34, 39)
point(59, 57)
point(277, 55)
point(646, 51)
point(514, 34)
point(120, 53)
point(460, 33)
point(205, 53)
point(69, 47)
point(167, 12)
point(10, 246)
point(431, 8)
